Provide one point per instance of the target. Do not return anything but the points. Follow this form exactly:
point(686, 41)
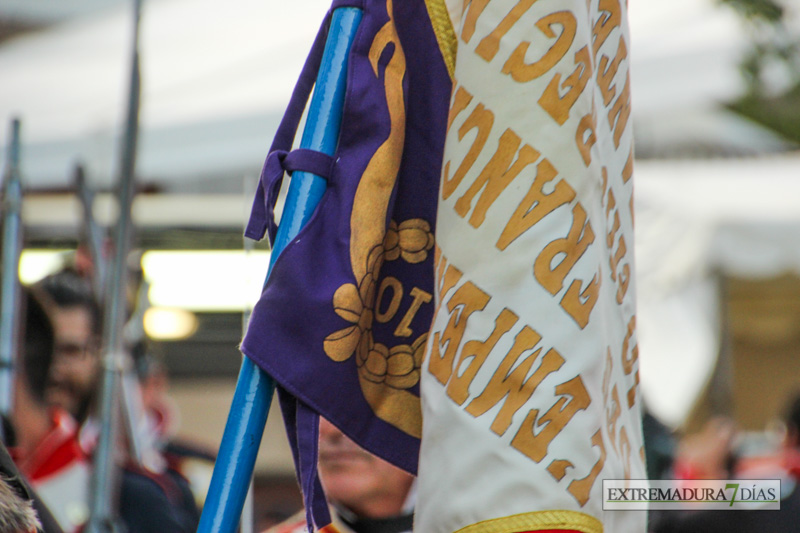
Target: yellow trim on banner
point(558, 520)
point(445, 34)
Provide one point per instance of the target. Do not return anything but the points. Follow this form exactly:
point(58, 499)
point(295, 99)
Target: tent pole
point(93, 233)
point(105, 476)
point(254, 389)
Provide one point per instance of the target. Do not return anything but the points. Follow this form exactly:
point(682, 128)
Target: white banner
point(530, 383)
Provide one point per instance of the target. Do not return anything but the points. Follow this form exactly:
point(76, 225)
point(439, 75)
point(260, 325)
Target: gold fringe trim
point(558, 520)
point(445, 34)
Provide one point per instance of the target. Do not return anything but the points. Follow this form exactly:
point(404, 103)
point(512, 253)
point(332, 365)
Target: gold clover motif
point(411, 240)
point(398, 367)
point(355, 305)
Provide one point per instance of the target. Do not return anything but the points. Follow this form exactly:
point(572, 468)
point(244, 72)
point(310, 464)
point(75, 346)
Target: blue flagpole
point(254, 389)
point(9, 282)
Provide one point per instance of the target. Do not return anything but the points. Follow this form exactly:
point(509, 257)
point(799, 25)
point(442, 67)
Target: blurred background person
point(708, 454)
point(713, 454)
point(189, 463)
point(45, 445)
point(74, 376)
point(366, 493)
point(152, 498)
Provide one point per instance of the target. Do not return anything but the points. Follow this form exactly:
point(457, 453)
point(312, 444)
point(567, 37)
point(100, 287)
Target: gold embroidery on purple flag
point(385, 372)
point(371, 202)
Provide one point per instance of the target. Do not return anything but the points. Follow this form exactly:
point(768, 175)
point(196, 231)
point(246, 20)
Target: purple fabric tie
point(262, 215)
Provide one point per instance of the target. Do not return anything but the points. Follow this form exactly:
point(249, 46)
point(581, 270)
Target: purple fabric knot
point(262, 215)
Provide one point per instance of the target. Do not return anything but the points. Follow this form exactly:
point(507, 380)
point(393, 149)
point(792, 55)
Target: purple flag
point(343, 320)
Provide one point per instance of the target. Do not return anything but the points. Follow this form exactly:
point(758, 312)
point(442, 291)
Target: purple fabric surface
point(262, 214)
point(289, 326)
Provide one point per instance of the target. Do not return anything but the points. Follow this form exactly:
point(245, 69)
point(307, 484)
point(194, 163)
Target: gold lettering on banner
point(568, 250)
point(535, 445)
point(472, 11)
point(465, 301)
point(579, 303)
point(604, 177)
point(629, 361)
point(496, 176)
point(394, 303)
point(616, 428)
point(627, 172)
point(620, 113)
point(625, 451)
point(461, 100)
point(606, 72)
point(521, 71)
point(608, 21)
point(482, 119)
point(611, 204)
point(475, 353)
point(536, 204)
point(617, 248)
point(609, 367)
point(631, 211)
point(512, 385)
point(630, 355)
point(586, 136)
point(558, 106)
point(490, 44)
point(617, 257)
point(613, 415)
point(624, 281)
point(612, 407)
point(632, 390)
point(612, 235)
point(447, 276)
point(420, 297)
point(514, 381)
point(580, 488)
point(558, 468)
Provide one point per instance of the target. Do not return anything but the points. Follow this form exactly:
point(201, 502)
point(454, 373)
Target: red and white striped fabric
point(59, 471)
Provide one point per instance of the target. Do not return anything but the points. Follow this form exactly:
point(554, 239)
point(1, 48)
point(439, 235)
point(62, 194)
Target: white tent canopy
point(684, 68)
point(695, 220)
point(215, 78)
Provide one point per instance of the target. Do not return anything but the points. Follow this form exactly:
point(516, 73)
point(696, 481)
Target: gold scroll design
point(384, 373)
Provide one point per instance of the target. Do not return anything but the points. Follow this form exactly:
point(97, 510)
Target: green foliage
point(772, 46)
point(767, 10)
point(780, 113)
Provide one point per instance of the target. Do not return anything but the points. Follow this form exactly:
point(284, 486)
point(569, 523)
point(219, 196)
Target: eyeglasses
point(74, 351)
